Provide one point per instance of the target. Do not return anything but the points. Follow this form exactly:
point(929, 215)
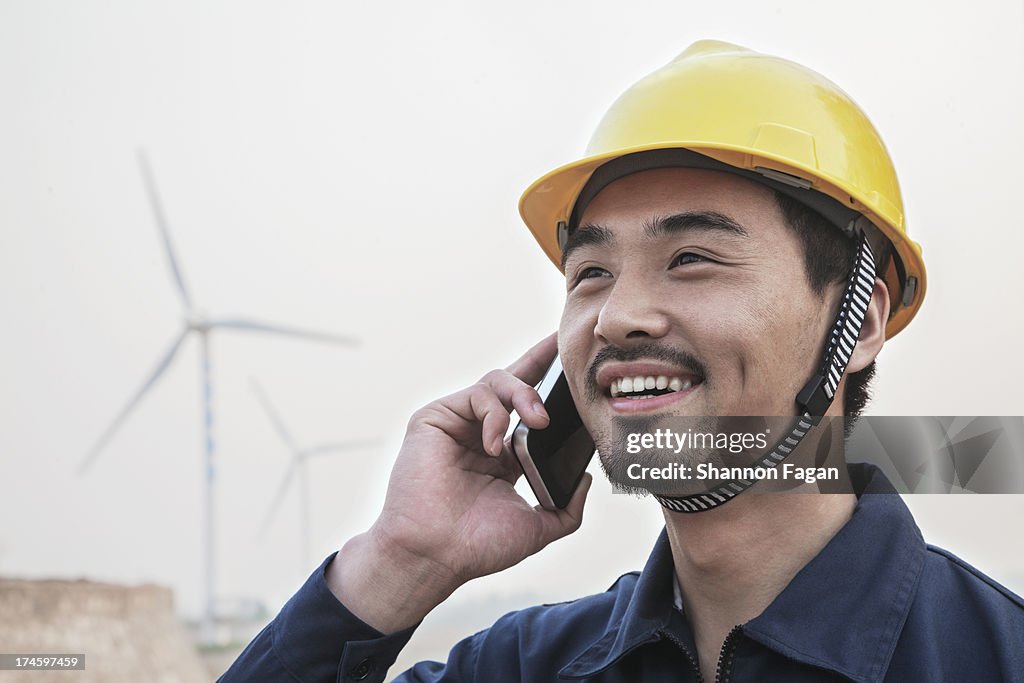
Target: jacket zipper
point(686, 651)
point(725, 657)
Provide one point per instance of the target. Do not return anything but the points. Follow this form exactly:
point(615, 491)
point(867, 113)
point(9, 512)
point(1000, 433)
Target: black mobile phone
point(554, 458)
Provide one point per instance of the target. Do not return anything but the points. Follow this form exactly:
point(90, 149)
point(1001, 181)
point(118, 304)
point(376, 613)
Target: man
point(720, 238)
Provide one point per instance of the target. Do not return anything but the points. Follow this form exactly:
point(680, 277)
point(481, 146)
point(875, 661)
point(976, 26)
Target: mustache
point(645, 351)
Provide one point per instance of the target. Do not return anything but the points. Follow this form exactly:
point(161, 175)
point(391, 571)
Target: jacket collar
point(843, 611)
point(634, 621)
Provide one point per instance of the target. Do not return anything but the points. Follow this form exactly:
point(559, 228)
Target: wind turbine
point(195, 322)
point(299, 465)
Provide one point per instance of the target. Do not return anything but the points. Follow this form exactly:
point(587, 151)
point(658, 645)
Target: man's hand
point(451, 513)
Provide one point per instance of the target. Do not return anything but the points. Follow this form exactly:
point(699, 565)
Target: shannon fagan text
point(706, 471)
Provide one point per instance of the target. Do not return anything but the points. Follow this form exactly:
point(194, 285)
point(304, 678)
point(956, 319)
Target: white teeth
point(630, 385)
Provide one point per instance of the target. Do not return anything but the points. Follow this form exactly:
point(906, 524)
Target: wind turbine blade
point(275, 417)
point(336, 447)
point(161, 221)
point(256, 326)
point(279, 496)
point(161, 366)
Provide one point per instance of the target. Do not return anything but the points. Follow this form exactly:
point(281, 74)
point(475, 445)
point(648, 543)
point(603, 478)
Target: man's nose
point(634, 311)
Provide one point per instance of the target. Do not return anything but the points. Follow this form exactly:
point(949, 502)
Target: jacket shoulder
point(581, 621)
point(962, 625)
point(953, 578)
point(533, 643)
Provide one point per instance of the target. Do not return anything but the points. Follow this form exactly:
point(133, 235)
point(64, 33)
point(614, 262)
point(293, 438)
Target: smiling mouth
point(650, 386)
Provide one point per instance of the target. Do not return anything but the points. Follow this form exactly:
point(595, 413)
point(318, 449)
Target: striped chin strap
point(817, 395)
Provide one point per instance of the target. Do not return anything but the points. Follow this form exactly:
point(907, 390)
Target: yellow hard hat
point(759, 116)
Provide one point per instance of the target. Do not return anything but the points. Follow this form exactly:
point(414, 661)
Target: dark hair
point(828, 253)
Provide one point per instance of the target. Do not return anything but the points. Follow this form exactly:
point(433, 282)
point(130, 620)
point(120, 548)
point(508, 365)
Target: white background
point(355, 168)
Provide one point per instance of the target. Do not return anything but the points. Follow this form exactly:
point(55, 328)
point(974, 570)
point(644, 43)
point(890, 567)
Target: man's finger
point(511, 469)
point(515, 394)
point(559, 523)
point(493, 417)
point(532, 365)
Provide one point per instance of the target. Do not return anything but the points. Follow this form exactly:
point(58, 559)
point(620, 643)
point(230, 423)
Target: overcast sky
point(355, 168)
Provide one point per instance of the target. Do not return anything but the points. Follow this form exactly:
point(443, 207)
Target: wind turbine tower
point(299, 467)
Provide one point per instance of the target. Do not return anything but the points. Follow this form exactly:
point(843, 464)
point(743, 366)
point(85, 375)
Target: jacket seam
point(912, 578)
point(277, 656)
point(973, 571)
point(474, 652)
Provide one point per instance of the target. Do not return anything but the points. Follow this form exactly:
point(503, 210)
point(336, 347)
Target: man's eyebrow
point(659, 226)
point(584, 235)
point(688, 221)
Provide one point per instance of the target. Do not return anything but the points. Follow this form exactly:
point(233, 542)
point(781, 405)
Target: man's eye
point(687, 257)
point(591, 272)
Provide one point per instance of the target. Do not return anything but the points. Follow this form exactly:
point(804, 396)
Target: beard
point(620, 456)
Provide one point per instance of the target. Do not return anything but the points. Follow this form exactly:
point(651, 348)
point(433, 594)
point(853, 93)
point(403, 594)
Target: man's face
point(690, 277)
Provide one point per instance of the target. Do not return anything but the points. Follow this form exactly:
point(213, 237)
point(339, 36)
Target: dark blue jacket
point(877, 604)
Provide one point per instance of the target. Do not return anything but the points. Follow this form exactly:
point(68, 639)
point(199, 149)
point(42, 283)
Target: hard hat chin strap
point(817, 395)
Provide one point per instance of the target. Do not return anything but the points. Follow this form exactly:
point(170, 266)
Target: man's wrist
point(384, 586)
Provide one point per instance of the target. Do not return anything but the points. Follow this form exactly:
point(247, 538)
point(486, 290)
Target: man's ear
point(872, 333)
